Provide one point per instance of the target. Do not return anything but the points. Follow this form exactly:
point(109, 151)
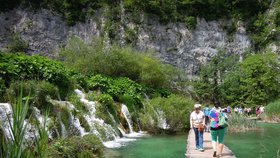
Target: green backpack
point(222, 120)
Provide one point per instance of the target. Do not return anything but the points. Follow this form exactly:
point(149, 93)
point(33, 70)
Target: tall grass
point(41, 142)
point(272, 112)
point(239, 123)
point(17, 146)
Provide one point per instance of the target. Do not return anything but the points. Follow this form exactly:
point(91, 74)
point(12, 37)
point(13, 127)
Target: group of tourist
point(249, 111)
point(209, 120)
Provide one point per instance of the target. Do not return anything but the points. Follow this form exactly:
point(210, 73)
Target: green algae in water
point(152, 147)
point(262, 143)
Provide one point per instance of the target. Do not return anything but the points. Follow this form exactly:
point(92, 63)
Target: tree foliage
point(252, 82)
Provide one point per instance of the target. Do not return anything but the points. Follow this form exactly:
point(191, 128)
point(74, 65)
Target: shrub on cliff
point(117, 61)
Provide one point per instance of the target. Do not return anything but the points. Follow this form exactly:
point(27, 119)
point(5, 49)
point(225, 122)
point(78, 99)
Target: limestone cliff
point(45, 32)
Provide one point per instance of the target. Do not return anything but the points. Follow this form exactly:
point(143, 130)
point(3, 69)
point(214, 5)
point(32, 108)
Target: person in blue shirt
point(206, 112)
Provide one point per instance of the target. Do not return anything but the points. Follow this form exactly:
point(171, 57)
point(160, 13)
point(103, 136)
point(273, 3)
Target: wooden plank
point(208, 149)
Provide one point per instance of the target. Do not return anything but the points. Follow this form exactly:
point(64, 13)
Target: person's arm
point(203, 122)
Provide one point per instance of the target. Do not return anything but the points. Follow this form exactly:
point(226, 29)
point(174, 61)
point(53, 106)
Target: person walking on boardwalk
point(206, 112)
point(217, 131)
point(197, 122)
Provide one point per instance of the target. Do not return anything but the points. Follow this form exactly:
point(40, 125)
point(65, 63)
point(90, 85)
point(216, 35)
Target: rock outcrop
point(45, 32)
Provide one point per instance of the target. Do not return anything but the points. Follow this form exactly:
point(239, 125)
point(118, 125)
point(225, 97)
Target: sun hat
point(196, 106)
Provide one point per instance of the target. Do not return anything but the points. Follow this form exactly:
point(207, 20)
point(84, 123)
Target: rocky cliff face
point(46, 32)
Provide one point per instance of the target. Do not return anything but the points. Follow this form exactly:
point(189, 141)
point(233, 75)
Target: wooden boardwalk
point(208, 149)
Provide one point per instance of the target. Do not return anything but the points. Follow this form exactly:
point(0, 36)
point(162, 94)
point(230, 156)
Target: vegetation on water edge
point(175, 109)
point(272, 112)
point(240, 123)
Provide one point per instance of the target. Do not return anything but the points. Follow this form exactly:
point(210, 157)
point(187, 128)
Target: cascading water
point(6, 116)
point(161, 120)
point(109, 136)
point(43, 120)
point(62, 126)
point(97, 125)
point(127, 117)
point(76, 126)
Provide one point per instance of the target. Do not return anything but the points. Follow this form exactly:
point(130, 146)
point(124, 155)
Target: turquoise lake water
point(152, 147)
point(261, 143)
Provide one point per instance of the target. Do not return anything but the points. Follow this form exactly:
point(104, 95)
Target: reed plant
point(240, 123)
point(16, 145)
point(272, 112)
point(41, 141)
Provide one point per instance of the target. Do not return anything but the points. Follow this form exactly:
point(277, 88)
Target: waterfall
point(127, 117)
point(122, 131)
point(6, 116)
point(62, 126)
point(76, 125)
point(161, 120)
point(97, 125)
point(42, 120)
point(6, 123)
point(107, 134)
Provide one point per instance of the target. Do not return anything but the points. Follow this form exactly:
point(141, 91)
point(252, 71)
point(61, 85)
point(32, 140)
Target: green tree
point(212, 75)
point(260, 76)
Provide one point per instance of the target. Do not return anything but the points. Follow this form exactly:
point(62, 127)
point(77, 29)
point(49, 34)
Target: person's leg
point(201, 141)
point(196, 138)
point(214, 141)
point(221, 134)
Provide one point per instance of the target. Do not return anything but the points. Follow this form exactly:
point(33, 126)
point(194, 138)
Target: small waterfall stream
point(161, 120)
point(6, 115)
point(127, 116)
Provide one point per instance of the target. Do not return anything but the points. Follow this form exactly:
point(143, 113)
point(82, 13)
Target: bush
point(36, 91)
point(17, 44)
point(272, 111)
point(191, 22)
point(77, 147)
point(117, 61)
point(176, 109)
point(118, 88)
point(22, 67)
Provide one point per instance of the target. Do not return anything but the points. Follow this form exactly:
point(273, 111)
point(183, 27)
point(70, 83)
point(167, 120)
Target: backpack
point(223, 120)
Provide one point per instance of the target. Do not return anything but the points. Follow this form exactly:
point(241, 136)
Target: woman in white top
point(196, 120)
